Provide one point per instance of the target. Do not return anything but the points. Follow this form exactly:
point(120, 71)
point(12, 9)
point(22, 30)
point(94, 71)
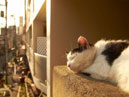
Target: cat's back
point(112, 49)
point(102, 43)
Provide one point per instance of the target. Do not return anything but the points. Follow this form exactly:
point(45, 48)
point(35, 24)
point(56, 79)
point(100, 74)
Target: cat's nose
point(68, 65)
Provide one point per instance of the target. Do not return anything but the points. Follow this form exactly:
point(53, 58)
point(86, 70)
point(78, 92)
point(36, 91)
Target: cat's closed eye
point(73, 56)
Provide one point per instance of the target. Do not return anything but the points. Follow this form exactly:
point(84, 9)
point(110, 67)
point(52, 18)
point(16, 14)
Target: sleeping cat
point(106, 60)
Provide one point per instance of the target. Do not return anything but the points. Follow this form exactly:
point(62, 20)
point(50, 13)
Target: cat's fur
point(106, 60)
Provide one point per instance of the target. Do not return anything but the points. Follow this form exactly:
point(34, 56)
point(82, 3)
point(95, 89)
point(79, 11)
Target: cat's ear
point(83, 43)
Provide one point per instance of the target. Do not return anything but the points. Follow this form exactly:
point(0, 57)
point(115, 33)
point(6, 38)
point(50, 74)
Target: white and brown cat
point(105, 60)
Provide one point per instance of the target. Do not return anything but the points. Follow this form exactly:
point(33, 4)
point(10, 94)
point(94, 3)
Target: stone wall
point(69, 84)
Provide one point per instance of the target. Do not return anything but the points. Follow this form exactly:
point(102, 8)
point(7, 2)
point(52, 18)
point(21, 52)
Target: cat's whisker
point(63, 56)
point(71, 46)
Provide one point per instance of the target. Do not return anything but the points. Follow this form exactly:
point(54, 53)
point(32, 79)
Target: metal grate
point(41, 45)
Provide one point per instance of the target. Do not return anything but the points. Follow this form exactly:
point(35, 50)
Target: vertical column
point(6, 42)
point(49, 65)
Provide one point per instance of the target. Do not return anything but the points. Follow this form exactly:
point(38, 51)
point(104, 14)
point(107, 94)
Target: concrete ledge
point(68, 84)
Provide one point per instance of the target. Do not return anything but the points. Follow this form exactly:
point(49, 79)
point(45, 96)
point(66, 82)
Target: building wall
point(35, 28)
point(38, 31)
point(94, 19)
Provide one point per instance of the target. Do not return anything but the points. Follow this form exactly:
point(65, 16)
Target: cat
point(105, 60)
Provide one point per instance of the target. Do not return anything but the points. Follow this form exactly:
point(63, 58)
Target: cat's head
point(80, 57)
